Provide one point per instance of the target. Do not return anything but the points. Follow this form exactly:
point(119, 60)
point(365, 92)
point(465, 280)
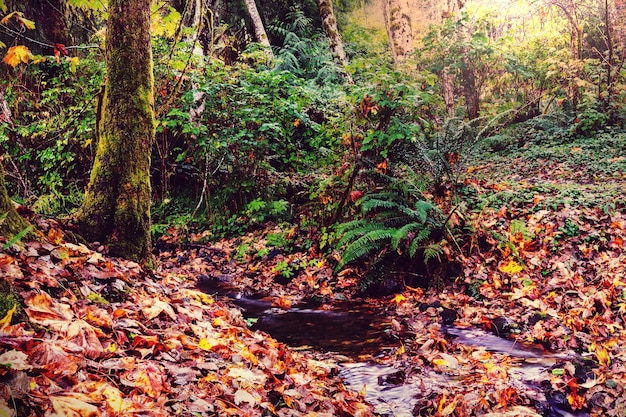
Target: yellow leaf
point(401, 350)
point(206, 344)
point(511, 268)
point(73, 63)
point(19, 16)
point(16, 55)
point(449, 409)
point(28, 24)
point(5, 411)
point(602, 354)
point(6, 321)
point(398, 298)
point(5, 20)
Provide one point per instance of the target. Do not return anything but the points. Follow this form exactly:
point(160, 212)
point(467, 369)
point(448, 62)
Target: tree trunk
point(470, 90)
point(447, 91)
point(329, 22)
point(11, 223)
point(259, 29)
point(399, 29)
point(117, 203)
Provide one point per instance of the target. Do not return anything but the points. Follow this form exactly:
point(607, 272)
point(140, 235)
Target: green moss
point(8, 300)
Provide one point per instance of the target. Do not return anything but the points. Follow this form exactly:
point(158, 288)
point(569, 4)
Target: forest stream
point(353, 335)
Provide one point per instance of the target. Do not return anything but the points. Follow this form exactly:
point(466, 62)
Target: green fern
point(365, 245)
point(392, 221)
point(432, 251)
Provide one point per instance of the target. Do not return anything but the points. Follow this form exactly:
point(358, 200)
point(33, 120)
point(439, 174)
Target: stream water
point(353, 332)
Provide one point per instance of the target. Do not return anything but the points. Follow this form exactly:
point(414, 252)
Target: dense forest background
point(296, 135)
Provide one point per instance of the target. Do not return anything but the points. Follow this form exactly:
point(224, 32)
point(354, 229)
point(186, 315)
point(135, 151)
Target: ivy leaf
point(16, 55)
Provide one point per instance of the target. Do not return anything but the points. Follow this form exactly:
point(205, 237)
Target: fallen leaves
point(105, 338)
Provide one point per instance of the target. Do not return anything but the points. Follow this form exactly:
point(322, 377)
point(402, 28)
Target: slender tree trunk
point(117, 203)
point(334, 38)
point(447, 91)
point(259, 28)
point(470, 90)
point(399, 29)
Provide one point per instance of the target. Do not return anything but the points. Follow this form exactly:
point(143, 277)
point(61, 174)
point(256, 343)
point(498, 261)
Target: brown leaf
point(41, 309)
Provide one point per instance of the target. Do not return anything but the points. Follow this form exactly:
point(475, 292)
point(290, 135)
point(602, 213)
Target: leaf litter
point(106, 338)
point(532, 325)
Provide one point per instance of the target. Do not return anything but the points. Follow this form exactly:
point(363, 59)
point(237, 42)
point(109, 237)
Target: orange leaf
point(41, 309)
point(16, 55)
point(576, 401)
point(55, 236)
point(151, 380)
point(602, 354)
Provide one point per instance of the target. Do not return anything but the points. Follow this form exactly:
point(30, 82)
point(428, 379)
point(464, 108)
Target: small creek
point(353, 332)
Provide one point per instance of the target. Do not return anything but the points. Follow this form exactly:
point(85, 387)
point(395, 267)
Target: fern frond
point(402, 233)
point(371, 204)
point(434, 250)
point(365, 245)
point(358, 232)
point(419, 238)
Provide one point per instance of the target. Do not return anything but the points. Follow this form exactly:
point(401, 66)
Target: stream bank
point(360, 339)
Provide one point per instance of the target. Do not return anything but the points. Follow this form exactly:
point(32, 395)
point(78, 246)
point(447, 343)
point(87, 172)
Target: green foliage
point(52, 139)
point(391, 222)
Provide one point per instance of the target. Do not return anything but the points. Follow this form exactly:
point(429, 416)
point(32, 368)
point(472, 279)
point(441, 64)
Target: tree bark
point(399, 29)
point(259, 28)
point(329, 22)
point(447, 91)
point(116, 210)
point(470, 89)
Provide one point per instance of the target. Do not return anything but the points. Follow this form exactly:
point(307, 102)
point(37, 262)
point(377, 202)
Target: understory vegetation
point(374, 169)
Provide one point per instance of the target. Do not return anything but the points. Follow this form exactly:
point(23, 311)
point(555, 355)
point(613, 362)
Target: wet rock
point(503, 326)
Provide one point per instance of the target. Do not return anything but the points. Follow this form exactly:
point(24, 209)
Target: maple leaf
point(398, 299)
point(16, 55)
point(19, 16)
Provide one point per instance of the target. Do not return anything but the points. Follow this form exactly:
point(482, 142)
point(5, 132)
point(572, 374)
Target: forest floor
point(543, 276)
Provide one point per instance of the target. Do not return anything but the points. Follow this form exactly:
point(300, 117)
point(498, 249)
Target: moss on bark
point(11, 223)
point(117, 203)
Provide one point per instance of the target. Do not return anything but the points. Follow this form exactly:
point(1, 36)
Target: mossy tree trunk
point(399, 29)
point(329, 21)
point(259, 29)
point(116, 210)
point(11, 223)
